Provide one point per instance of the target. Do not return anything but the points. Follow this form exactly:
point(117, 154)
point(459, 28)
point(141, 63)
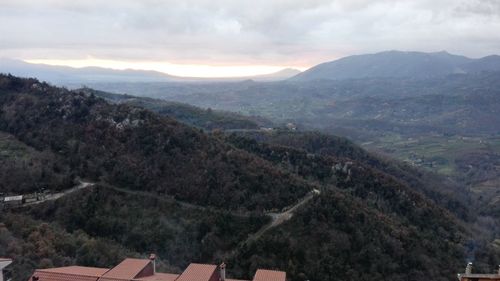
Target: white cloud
point(280, 32)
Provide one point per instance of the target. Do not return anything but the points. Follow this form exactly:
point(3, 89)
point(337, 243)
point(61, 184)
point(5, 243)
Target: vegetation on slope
point(39, 244)
point(25, 169)
point(207, 119)
point(136, 149)
point(318, 156)
point(190, 196)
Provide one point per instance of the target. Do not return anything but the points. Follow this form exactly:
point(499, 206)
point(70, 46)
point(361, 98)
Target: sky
point(215, 38)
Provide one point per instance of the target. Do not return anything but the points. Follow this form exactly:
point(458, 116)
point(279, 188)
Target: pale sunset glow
point(183, 70)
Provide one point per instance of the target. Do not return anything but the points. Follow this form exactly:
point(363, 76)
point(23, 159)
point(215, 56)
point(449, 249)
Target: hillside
point(26, 169)
point(398, 64)
point(295, 149)
point(136, 149)
point(445, 124)
point(166, 187)
point(194, 116)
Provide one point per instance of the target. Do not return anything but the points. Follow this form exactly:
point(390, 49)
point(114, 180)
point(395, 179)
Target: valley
point(445, 123)
point(215, 140)
point(164, 186)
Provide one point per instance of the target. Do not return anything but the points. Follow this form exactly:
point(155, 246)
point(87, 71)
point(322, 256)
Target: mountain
point(398, 64)
point(317, 207)
point(75, 77)
point(280, 75)
point(489, 63)
point(69, 75)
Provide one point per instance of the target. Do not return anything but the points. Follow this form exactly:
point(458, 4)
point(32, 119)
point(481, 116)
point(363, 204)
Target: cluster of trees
point(148, 224)
point(315, 156)
point(25, 169)
point(337, 237)
point(36, 244)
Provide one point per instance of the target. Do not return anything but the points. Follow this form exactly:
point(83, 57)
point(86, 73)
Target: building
point(469, 276)
point(3, 264)
point(145, 270)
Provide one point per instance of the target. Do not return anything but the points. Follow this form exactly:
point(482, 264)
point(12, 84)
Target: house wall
point(147, 271)
point(3, 264)
point(215, 276)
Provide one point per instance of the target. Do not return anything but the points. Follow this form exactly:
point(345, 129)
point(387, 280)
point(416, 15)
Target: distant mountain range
point(64, 75)
point(392, 64)
point(398, 64)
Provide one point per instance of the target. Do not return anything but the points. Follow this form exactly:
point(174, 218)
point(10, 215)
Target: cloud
point(227, 32)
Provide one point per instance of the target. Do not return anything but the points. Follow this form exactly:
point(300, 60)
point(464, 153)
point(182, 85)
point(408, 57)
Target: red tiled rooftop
point(70, 273)
point(128, 269)
point(269, 275)
point(198, 272)
point(143, 270)
point(77, 270)
point(55, 276)
point(159, 277)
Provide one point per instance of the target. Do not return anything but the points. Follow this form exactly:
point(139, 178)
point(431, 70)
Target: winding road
point(55, 196)
point(279, 218)
point(276, 218)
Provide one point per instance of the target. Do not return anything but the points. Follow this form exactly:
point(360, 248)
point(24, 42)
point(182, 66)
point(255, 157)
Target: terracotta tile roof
point(128, 269)
point(56, 276)
point(159, 277)
point(143, 270)
point(198, 272)
point(269, 275)
point(77, 270)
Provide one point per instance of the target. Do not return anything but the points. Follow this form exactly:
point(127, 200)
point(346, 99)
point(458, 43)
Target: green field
point(473, 161)
point(437, 153)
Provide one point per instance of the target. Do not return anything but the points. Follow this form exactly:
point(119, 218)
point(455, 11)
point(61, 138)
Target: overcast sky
point(256, 35)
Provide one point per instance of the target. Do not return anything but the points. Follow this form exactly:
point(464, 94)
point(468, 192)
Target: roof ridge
point(104, 273)
point(66, 273)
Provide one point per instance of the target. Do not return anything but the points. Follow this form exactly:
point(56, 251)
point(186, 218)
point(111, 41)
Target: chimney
point(35, 278)
point(222, 268)
point(468, 269)
point(152, 258)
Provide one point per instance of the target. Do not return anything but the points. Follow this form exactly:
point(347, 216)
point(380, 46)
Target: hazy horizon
point(239, 38)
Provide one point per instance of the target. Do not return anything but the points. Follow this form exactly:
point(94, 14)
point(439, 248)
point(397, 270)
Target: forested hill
point(162, 186)
point(136, 149)
point(201, 118)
